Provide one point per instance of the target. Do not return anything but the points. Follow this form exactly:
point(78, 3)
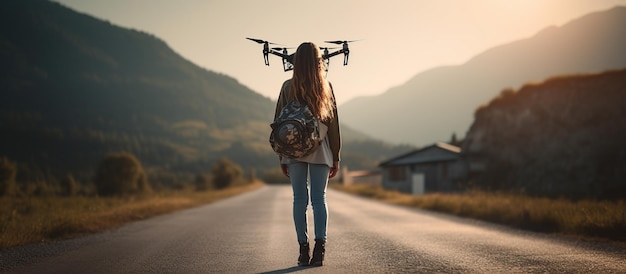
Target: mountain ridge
point(103, 61)
point(75, 88)
point(590, 43)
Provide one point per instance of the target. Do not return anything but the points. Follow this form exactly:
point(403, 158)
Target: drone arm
point(279, 54)
point(345, 52)
point(333, 54)
point(287, 59)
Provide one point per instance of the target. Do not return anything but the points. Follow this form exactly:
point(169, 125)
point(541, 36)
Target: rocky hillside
point(440, 101)
point(563, 137)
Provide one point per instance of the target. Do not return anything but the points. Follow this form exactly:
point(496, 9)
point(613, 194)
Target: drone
point(287, 58)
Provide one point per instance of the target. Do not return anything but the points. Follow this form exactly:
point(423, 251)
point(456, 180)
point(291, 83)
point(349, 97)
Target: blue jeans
point(318, 174)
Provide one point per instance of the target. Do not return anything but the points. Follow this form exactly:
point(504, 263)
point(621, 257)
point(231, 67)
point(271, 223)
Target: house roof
point(438, 152)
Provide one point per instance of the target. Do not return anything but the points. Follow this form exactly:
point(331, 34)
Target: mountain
point(51, 52)
point(561, 137)
point(73, 88)
point(439, 102)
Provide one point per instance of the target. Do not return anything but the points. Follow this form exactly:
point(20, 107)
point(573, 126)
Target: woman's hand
point(285, 170)
point(333, 170)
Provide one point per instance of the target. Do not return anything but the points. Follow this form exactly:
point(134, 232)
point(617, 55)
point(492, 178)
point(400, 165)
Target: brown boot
point(303, 259)
point(318, 253)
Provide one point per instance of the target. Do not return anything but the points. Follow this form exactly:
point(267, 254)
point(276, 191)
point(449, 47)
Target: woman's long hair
point(308, 82)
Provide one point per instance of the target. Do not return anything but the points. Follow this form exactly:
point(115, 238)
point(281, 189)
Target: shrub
point(203, 182)
point(8, 171)
point(121, 173)
point(69, 185)
point(226, 173)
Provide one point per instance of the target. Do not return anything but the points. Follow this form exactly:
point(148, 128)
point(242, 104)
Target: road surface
point(253, 233)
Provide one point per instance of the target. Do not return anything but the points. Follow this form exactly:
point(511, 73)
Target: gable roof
point(438, 152)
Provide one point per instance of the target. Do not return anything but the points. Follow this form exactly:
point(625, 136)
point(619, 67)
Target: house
point(435, 168)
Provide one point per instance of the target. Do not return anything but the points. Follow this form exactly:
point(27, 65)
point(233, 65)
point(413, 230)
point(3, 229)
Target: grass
point(25, 220)
point(583, 218)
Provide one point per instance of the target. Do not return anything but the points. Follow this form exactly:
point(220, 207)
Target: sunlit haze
point(398, 39)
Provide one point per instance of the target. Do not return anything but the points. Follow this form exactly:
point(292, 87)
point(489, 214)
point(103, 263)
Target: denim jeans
point(318, 174)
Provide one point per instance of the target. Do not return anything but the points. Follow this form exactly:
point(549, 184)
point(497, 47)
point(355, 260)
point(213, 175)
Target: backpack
point(295, 132)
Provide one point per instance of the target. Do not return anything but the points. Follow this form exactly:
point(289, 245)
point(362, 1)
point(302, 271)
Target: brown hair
point(308, 82)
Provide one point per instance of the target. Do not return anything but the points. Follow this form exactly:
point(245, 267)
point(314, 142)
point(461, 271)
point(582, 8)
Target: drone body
point(288, 58)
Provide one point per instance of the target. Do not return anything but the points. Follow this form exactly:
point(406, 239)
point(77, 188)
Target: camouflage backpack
point(295, 132)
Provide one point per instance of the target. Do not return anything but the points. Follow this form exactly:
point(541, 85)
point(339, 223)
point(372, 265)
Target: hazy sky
point(399, 39)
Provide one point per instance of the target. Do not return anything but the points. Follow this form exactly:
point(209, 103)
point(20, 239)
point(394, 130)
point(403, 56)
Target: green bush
point(226, 173)
point(8, 171)
point(121, 173)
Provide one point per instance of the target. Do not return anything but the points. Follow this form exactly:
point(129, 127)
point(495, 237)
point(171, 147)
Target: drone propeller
point(338, 42)
point(256, 40)
point(281, 48)
point(261, 41)
point(266, 49)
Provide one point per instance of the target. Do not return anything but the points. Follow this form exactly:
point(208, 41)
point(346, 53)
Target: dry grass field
point(26, 220)
point(583, 218)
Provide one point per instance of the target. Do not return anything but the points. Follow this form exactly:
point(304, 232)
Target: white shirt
point(322, 155)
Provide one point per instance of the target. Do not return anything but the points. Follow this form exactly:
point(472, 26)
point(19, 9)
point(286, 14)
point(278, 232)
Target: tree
point(8, 171)
point(121, 173)
point(453, 140)
point(226, 173)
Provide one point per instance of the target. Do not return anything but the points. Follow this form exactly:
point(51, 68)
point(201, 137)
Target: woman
point(309, 86)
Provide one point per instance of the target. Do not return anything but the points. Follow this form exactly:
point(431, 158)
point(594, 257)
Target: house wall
point(445, 176)
point(430, 171)
point(402, 185)
point(438, 176)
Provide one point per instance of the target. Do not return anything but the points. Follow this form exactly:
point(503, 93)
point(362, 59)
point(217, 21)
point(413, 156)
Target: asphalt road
point(253, 233)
